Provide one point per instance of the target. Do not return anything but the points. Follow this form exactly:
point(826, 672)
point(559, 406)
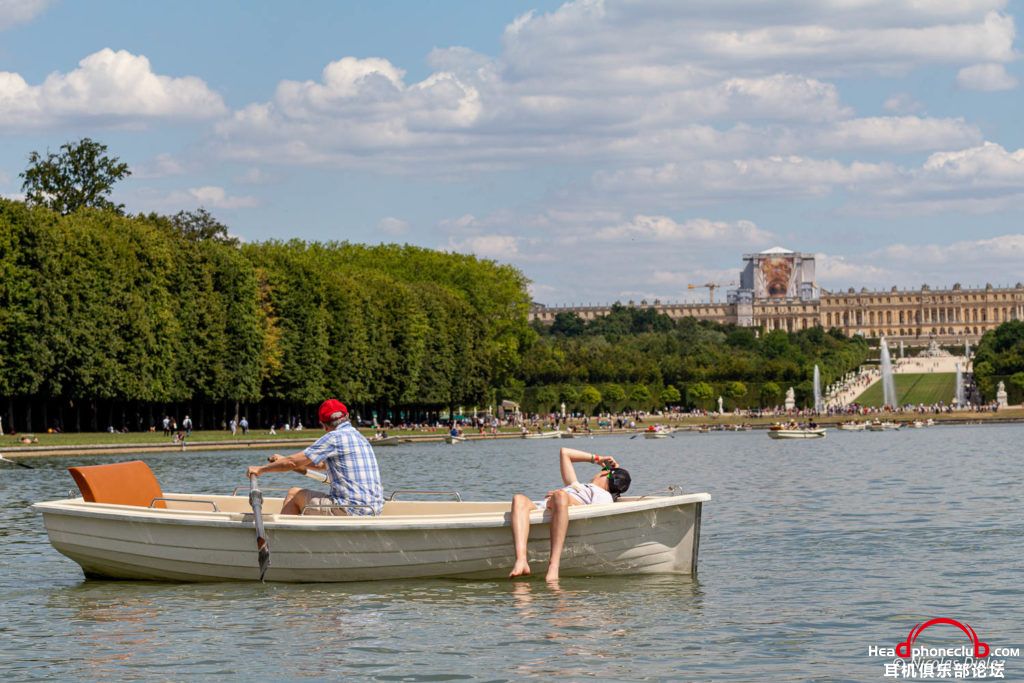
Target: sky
point(610, 150)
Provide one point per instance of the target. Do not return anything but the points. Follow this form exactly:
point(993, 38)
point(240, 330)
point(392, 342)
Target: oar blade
point(264, 556)
point(262, 546)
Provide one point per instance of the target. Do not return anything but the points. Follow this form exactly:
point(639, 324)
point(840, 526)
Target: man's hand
point(607, 461)
point(252, 470)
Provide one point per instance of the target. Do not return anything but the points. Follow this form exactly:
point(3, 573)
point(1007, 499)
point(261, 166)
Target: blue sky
point(610, 150)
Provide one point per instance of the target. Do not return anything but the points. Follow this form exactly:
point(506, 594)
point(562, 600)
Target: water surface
point(810, 552)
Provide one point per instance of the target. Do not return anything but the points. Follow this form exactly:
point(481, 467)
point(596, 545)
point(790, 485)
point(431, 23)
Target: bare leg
point(294, 502)
point(559, 505)
point(521, 509)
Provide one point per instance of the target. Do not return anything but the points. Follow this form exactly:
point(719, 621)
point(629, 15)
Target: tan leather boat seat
point(122, 483)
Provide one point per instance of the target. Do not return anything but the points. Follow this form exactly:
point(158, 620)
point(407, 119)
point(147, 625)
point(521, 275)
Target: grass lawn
point(926, 388)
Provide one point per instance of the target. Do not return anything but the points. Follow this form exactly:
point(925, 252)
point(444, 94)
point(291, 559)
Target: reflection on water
point(810, 553)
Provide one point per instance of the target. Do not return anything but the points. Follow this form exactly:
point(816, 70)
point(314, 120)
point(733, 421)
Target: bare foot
point(552, 575)
point(520, 569)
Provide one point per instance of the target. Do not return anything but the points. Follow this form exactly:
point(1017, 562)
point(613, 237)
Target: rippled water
point(810, 552)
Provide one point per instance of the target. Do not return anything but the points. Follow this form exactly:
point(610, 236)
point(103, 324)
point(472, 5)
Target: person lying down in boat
point(606, 487)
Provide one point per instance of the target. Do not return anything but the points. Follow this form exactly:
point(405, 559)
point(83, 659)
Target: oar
point(319, 476)
point(256, 502)
point(15, 462)
point(312, 474)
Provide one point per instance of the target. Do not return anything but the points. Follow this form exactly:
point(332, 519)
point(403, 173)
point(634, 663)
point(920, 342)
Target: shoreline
point(687, 425)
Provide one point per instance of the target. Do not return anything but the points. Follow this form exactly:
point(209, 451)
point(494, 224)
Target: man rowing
point(349, 461)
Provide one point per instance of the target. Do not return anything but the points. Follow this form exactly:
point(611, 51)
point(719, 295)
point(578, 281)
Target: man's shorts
point(317, 504)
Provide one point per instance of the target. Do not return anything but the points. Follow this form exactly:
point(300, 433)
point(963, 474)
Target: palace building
point(777, 291)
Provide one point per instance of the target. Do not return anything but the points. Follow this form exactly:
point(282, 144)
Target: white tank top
point(588, 494)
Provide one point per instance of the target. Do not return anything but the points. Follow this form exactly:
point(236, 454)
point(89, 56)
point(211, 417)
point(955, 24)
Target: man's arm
point(296, 462)
point(567, 456)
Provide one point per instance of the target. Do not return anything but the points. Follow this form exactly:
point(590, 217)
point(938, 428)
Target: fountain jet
point(888, 385)
point(818, 406)
point(960, 399)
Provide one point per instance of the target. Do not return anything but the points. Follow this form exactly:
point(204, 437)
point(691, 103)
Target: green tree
point(670, 396)
point(614, 396)
point(570, 395)
point(80, 176)
point(640, 397)
point(590, 397)
point(700, 393)
point(201, 225)
point(545, 399)
point(770, 393)
point(736, 390)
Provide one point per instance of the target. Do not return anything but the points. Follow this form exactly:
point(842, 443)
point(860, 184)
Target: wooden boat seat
point(122, 483)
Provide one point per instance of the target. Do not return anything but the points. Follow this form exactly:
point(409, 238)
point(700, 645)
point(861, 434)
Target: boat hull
point(651, 535)
point(797, 434)
point(543, 435)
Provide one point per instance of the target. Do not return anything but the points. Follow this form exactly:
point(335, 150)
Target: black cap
point(618, 481)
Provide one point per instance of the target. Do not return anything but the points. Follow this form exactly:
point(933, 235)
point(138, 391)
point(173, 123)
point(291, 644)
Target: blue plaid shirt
point(352, 468)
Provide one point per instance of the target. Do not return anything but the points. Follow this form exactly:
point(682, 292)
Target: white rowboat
point(210, 538)
point(818, 433)
point(543, 435)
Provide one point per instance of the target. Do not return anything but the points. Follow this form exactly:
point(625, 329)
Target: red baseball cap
point(331, 410)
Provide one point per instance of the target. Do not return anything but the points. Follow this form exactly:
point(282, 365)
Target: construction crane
point(711, 287)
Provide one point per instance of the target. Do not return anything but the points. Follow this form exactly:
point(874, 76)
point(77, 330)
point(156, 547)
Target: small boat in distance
point(656, 432)
point(451, 439)
point(853, 426)
point(125, 527)
point(385, 441)
point(794, 431)
point(879, 426)
point(543, 435)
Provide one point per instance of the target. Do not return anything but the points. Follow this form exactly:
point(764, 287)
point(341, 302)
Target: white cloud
point(1004, 249)
point(161, 166)
point(390, 225)
point(498, 247)
point(218, 198)
point(903, 103)
point(903, 133)
point(976, 180)
point(772, 176)
point(14, 12)
point(360, 107)
point(641, 82)
point(665, 229)
point(986, 77)
point(255, 176)
point(989, 165)
point(207, 196)
point(835, 271)
point(109, 88)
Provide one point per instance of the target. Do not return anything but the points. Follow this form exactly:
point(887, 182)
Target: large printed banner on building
point(776, 276)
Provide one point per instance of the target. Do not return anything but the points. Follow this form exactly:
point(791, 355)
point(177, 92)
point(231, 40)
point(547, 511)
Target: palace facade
point(777, 291)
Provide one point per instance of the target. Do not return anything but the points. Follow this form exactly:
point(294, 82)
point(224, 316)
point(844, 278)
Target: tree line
point(108, 320)
point(639, 359)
